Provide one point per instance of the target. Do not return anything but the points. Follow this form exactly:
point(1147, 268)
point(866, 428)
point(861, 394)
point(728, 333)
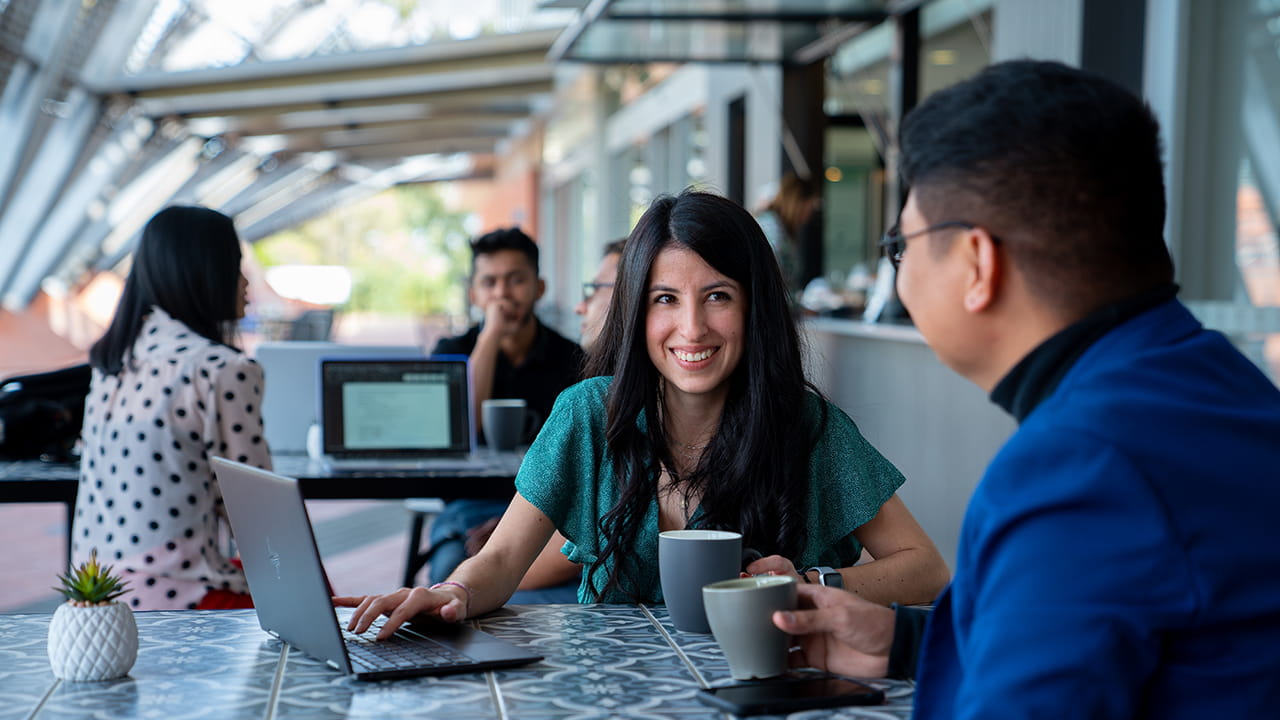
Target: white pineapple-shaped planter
point(92, 643)
point(92, 637)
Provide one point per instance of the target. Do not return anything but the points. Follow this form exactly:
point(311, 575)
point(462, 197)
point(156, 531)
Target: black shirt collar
point(1037, 375)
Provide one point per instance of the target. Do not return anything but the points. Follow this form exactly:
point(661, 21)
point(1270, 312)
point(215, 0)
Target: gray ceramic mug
point(689, 559)
point(506, 422)
point(741, 616)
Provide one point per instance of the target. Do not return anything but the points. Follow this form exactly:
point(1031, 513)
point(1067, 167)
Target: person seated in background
point(513, 355)
point(696, 415)
point(170, 389)
point(1118, 558)
point(552, 575)
point(597, 295)
point(782, 221)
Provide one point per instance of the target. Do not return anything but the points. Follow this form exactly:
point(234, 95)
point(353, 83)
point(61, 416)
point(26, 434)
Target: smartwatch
point(828, 576)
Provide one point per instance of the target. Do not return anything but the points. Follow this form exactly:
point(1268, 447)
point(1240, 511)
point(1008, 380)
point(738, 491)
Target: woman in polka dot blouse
point(169, 390)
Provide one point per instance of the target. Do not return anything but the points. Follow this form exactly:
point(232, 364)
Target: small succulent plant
point(91, 584)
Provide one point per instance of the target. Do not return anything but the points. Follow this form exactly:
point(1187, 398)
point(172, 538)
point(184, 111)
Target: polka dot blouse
point(148, 500)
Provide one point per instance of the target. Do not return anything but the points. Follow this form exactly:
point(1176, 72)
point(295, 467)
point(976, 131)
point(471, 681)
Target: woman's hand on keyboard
point(446, 602)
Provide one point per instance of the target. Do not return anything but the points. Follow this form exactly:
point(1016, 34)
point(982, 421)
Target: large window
point(955, 44)
point(673, 158)
point(1217, 92)
point(1257, 201)
point(853, 208)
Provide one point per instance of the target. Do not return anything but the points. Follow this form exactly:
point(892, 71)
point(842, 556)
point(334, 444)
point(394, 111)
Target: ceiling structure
point(273, 111)
point(789, 32)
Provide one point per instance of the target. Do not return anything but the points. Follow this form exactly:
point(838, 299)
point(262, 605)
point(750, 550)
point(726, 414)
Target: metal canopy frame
point(92, 151)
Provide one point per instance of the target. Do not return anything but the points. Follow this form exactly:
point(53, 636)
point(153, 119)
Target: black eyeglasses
point(895, 243)
point(589, 288)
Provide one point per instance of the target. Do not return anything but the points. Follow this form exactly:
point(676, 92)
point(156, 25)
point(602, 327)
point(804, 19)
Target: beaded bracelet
point(470, 593)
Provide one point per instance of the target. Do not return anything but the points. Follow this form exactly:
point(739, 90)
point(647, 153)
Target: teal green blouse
point(568, 475)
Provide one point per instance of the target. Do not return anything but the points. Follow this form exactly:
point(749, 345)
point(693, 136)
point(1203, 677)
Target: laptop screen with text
point(395, 407)
point(290, 401)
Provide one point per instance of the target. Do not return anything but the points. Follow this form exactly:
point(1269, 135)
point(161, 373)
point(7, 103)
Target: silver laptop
point(398, 414)
point(291, 593)
point(290, 404)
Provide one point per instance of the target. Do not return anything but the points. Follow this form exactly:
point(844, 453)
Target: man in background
point(598, 293)
point(552, 577)
point(1118, 558)
point(513, 355)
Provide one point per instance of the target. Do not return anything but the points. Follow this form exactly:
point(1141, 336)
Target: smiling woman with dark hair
point(703, 340)
point(169, 389)
point(701, 418)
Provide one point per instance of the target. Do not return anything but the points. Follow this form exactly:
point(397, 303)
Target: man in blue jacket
point(1119, 558)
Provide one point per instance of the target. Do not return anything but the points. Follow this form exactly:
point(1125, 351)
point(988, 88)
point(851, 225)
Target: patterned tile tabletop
point(602, 661)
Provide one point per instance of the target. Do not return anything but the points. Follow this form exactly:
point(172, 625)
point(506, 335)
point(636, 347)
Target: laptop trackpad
point(463, 638)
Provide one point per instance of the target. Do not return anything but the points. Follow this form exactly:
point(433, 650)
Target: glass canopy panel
point(809, 10)
point(198, 34)
point(609, 41)
point(624, 31)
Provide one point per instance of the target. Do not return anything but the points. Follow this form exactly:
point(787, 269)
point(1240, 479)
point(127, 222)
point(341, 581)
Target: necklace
point(684, 507)
point(690, 452)
point(684, 497)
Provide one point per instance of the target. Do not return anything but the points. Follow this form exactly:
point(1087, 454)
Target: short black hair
point(1061, 164)
point(512, 238)
point(615, 246)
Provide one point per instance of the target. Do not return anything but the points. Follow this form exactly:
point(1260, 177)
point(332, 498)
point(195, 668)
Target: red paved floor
point(33, 541)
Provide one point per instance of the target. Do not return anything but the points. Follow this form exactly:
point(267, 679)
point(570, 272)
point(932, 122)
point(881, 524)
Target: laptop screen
point(290, 404)
point(380, 407)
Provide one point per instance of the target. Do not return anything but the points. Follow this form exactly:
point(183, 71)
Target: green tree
point(407, 252)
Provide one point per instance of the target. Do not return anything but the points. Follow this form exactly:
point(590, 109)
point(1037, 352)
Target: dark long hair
point(187, 264)
point(753, 475)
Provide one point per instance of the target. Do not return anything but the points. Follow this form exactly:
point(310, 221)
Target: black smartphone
point(791, 692)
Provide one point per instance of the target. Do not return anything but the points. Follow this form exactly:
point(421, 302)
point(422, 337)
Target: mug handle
point(532, 424)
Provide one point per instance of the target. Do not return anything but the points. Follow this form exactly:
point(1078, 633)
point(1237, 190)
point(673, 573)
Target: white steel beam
point(30, 81)
point(58, 233)
point(43, 182)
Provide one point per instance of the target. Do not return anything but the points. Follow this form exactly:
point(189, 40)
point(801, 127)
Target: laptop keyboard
point(449, 464)
point(402, 650)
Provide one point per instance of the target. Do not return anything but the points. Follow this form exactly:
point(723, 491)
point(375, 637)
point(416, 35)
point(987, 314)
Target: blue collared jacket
point(1121, 558)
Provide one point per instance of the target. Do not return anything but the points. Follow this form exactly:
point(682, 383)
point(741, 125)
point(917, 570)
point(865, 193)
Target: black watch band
point(827, 575)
